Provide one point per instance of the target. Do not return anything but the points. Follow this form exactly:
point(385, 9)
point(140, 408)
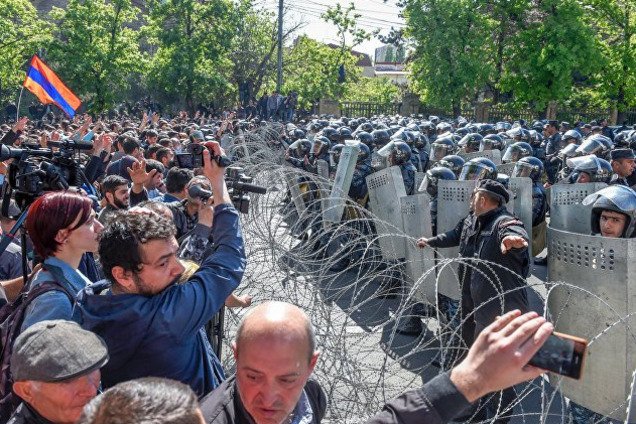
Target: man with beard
point(116, 194)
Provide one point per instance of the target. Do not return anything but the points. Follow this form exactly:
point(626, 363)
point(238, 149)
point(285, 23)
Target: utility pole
point(279, 80)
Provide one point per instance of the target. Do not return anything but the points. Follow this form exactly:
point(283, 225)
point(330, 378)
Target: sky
point(376, 14)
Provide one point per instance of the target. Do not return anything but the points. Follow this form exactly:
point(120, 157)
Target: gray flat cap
point(52, 351)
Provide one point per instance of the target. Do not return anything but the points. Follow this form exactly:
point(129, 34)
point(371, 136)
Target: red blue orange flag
point(48, 87)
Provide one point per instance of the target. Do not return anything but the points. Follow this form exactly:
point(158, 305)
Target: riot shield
point(334, 207)
point(419, 177)
point(379, 162)
point(291, 177)
point(416, 219)
point(522, 189)
point(566, 211)
point(453, 204)
point(506, 168)
point(385, 189)
point(597, 303)
point(493, 155)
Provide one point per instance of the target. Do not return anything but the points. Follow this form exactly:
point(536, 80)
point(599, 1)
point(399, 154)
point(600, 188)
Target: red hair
point(53, 212)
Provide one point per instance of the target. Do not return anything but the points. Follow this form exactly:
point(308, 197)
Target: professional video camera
point(35, 170)
point(238, 184)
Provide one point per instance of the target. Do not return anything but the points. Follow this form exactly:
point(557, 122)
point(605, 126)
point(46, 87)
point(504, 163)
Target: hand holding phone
point(562, 354)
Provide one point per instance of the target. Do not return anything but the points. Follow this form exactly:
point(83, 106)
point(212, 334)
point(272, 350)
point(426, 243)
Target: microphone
point(198, 192)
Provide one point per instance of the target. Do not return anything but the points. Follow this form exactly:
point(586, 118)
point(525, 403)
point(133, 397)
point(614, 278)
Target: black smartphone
point(562, 354)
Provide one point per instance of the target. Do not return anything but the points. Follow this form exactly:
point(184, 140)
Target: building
point(390, 62)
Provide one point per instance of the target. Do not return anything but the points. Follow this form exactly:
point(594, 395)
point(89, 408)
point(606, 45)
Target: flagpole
point(17, 114)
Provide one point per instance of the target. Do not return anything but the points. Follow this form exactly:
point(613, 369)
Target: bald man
point(275, 353)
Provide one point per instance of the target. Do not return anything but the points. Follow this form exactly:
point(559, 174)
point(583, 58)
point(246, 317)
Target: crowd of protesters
point(128, 267)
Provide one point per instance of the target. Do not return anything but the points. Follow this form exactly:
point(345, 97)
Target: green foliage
point(376, 90)
point(346, 22)
point(311, 69)
point(22, 33)
point(192, 41)
point(253, 52)
point(94, 49)
point(452, 47)
point(556, 47)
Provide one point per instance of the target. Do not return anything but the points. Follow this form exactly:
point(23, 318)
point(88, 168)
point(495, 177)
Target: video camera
point(38, 170)
point(238, 184)
point(193, 157)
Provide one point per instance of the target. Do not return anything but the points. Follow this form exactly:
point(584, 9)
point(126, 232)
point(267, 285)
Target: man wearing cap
point(495, 262)
point(55, 368)
point(552, 147)
point(622, 161)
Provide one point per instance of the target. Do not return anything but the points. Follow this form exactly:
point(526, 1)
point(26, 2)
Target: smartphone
point(562, 354)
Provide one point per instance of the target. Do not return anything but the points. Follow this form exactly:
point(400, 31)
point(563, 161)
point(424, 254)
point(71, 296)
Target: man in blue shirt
point(152, 326)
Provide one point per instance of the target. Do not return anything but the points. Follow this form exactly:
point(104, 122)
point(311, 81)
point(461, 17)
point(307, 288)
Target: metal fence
point(504, 112)
point(368, 109)
point(585, 115)
point(629, 115)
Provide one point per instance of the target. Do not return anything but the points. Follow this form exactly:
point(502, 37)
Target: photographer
point(62, 226)
point(152, 326)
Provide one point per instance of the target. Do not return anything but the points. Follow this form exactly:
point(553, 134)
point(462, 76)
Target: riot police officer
point(488, 235)
point(470, 142)
point(588, 169)
point(400, 155)
point(532, 168)
point(453, 162)
point(516, 151)
point(622, 162)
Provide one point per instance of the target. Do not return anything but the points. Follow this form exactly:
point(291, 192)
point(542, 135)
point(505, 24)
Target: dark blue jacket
point(162, 335)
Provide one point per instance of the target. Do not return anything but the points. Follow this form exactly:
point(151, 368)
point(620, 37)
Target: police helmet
point(452, 162)
point(364, 152)
point(536, 138)
point(485, 129)
point(297, 134)
point(380, 137)
point(421, 141)
point(570, 151)
point(302, 147)
point(345, 133)
point(519, 134)
point(471, 142)
point(434, 119)
point(366, 126)
point(400, 153)
point(502, 126)
point(442, 147)
point(443, 127)
point(617, 198)
point(336, 151)
point(491, 142)
point(622, 138)
point(572, 136)
point(528, 167)
point(462, 131)
point(479, 169)
point(597, 144)
point(503, 179)
point(599, 170)
point(321, 145)
point(431, 178)
point(516, 151)
point(364, 137)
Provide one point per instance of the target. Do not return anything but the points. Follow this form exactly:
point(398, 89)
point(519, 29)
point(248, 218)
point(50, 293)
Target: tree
point(556, 47)
point(388, 57)
point(22, 32)
point(451, 62)
point(192, 40)
point(254, 47)
point(614, 22)
point(94, 49)
point(376, 90)
point(311, 70)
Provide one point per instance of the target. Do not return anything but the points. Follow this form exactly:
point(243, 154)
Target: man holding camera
point(152, 326)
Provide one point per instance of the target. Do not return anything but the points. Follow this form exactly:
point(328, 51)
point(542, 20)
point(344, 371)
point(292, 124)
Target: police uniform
point(494, 283)
point(618, 154)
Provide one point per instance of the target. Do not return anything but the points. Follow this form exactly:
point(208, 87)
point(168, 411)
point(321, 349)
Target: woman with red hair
point(62, 226)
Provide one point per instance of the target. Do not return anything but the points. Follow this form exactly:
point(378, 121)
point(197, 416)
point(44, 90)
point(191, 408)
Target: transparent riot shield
point(567, 212)
point(522, 189)
point(416, 219)
point(379, 162)
point(493, 155)
point(385, 189)
point(453, 204)
point(334, 207)
point(506, 168)
point(597, 302)
point(291, 177)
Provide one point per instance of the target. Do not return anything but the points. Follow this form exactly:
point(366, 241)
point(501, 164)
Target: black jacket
point(496, 281)
point(224, 406)
point(26, 415)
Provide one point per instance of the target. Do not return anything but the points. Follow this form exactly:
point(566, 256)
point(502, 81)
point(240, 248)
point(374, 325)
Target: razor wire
point(354, 296)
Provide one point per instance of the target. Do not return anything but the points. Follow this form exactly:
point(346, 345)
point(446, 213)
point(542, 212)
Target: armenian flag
point(48, 87)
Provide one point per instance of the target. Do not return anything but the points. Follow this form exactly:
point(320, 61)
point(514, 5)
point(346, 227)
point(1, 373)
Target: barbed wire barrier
point(356, 299)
